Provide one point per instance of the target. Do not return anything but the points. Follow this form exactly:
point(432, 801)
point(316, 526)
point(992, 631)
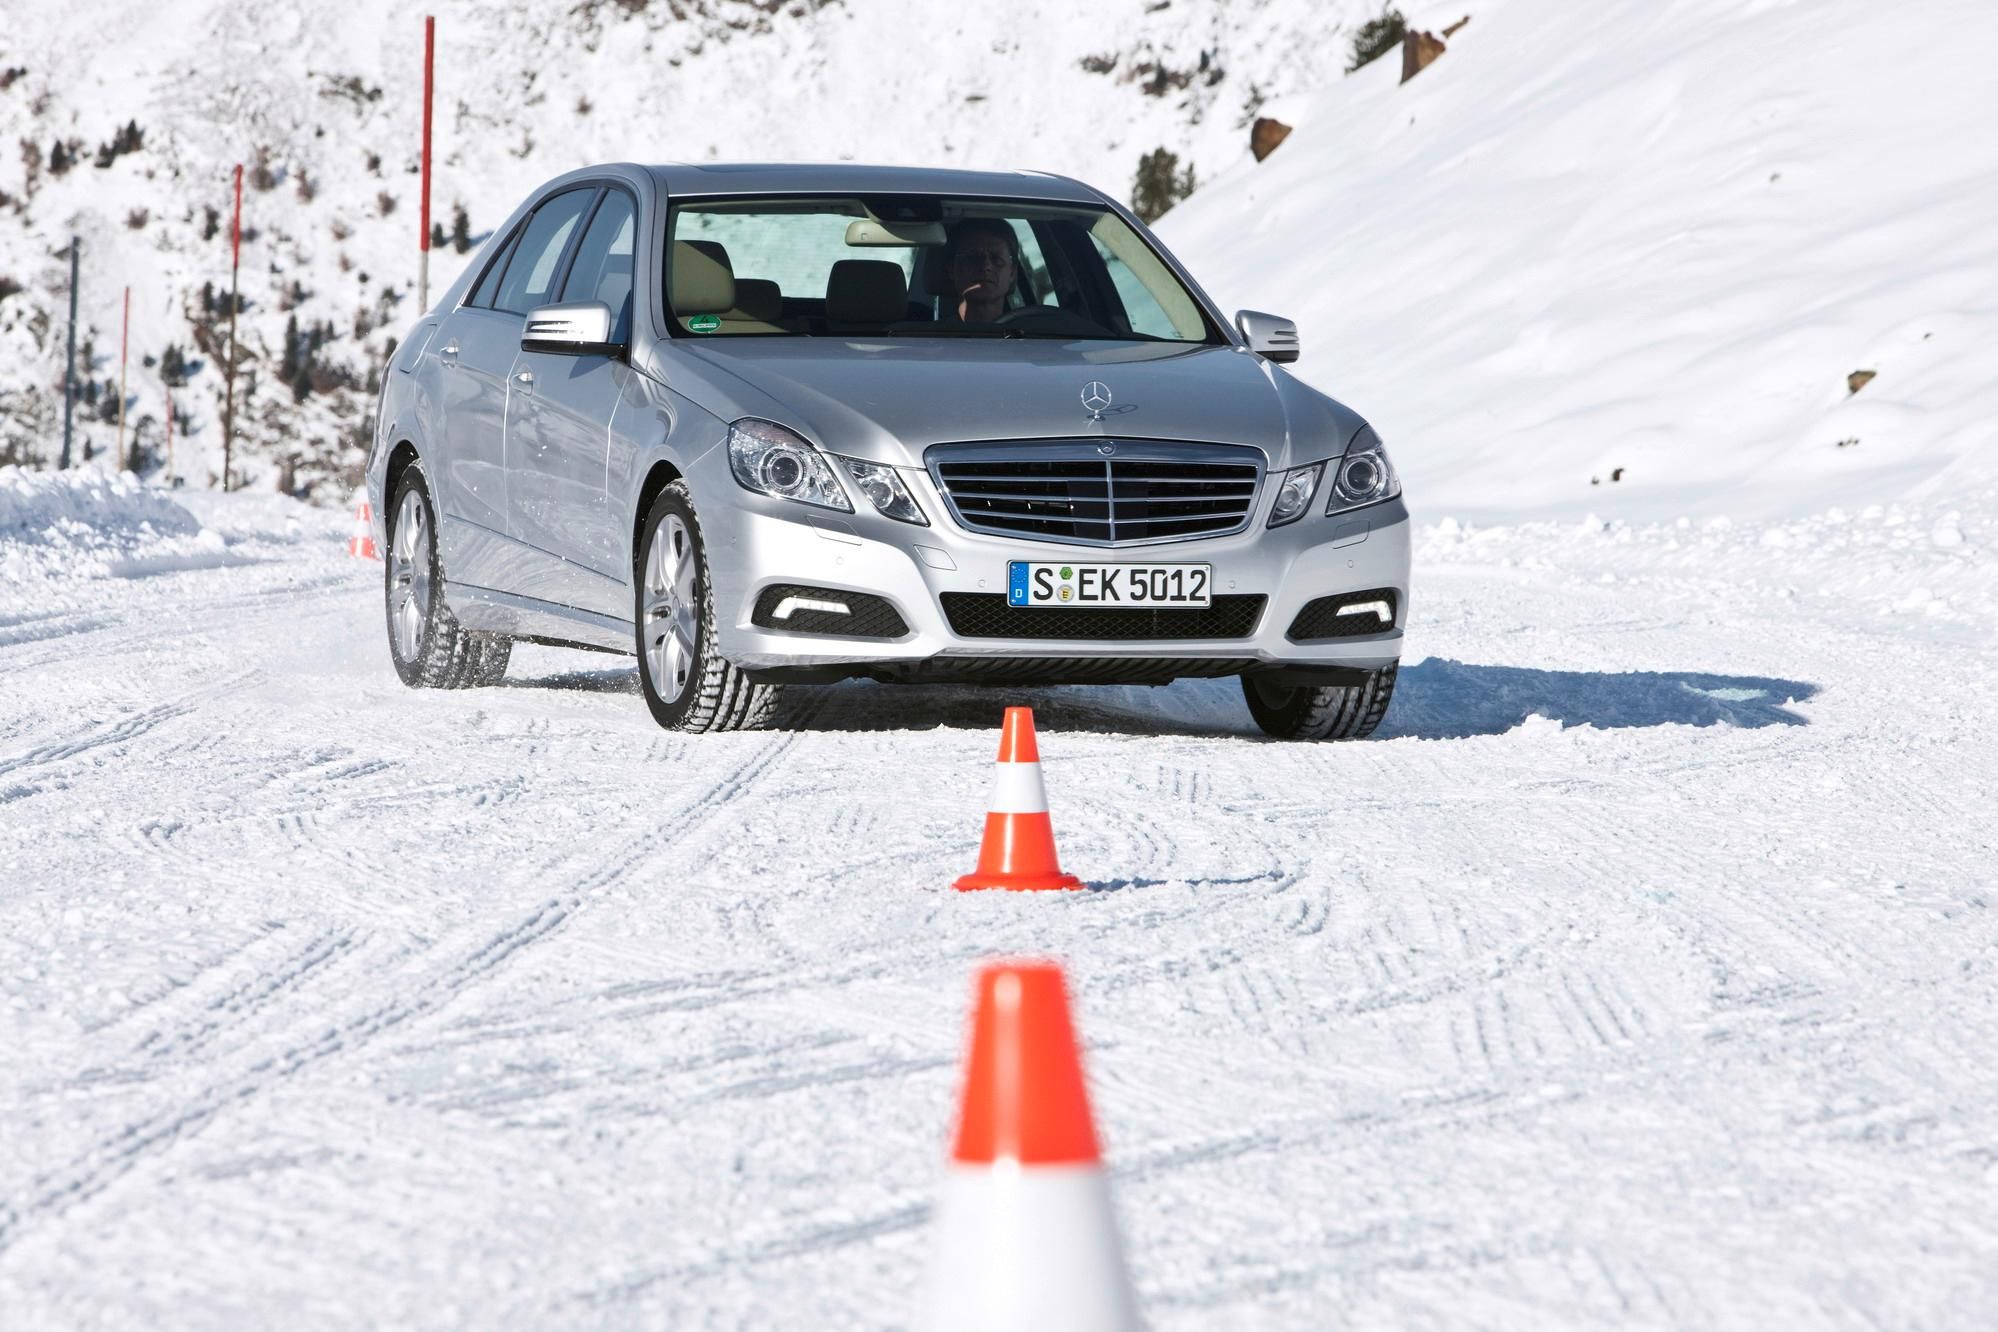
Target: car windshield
point(920, 266)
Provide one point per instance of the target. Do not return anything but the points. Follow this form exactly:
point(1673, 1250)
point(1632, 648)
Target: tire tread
point(1325, 712)
point(724, 697)
point(451, 656)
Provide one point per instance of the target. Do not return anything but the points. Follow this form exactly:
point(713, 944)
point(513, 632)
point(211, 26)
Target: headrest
point(866, 291)
point(703, 282)
point(759, 299)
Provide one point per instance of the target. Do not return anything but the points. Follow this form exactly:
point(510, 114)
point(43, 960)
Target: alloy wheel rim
point(410, 575)
point(671, 619)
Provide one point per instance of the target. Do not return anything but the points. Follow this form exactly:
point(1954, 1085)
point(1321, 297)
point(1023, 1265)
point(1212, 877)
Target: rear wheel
point(1320, 712)
point(688, 684)
point(430, 648)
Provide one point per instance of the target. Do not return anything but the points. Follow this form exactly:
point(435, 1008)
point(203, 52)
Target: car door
point(473, 350)
point(533, 270)
point(559, 420)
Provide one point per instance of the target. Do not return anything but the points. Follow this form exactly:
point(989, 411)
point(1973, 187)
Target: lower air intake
point(1060, 670)
point(988, 615)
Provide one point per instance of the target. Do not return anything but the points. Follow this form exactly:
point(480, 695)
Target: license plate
point(1031, 583)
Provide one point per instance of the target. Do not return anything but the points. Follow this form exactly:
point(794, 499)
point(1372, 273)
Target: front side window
point(917, 266)
point(531, 272)
point(601, 270)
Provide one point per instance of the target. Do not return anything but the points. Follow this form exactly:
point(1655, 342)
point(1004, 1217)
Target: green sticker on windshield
point(704, 323)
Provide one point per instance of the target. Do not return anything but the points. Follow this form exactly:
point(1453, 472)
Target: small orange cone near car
point(1019, 850)
point(1025, 1238)
point(361, 544)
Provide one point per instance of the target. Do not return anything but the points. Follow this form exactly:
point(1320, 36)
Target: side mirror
point(582, 328)
point(1268, 335)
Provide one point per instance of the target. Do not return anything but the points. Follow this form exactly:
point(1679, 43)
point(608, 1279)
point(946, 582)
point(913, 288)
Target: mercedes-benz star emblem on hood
point(1096, 396)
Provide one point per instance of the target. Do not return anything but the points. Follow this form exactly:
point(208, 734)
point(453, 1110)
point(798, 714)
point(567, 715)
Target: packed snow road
point(1643, 971)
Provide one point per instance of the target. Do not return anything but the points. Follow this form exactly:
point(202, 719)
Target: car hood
point(888, 400)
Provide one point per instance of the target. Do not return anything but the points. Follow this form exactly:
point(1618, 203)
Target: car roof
point(749, 178)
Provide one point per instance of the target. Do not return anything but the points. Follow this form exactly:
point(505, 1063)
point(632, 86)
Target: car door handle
point(526, 381)
point(448, 353)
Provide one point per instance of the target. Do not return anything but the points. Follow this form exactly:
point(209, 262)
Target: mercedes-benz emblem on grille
point(1106, 448)
point(1096, 396)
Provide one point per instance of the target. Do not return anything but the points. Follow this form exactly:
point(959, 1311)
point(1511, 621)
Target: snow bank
point(85, 524)
point(1919, 569)
point(1624, 257)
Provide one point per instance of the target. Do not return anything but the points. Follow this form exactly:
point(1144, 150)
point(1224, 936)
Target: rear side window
point(537, 259)
point(601, 270)
point(488, 286)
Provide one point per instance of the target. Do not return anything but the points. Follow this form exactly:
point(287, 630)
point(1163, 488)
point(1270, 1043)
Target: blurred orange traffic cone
point(1026, 1241)
point(362, 543)
point(1019, 850)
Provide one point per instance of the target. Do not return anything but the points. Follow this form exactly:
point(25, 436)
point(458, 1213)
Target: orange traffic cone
point(1026, 1241)
point(1019, 850)
point(361, 544)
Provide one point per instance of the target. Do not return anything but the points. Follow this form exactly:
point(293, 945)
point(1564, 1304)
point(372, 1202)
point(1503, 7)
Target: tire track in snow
point(244, 1001)
point(99, 635)
point(121, 1150)
point(24, 766)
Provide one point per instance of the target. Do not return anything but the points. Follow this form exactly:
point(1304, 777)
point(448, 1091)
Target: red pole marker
point(1019, 848)
point(1026, 1240)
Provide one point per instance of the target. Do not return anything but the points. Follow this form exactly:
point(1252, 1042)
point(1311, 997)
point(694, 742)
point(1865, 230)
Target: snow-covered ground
point(1643, 973)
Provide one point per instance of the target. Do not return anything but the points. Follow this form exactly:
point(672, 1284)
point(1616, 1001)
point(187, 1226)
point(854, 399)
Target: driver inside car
point(982, 259)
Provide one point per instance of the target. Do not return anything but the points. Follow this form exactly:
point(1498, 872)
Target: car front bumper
point(755, 542)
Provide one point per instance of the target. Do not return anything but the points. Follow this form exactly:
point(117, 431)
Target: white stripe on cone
point(1017, 789)
point(1027, 1249)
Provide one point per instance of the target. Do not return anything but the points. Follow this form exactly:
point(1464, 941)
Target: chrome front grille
point(1072, 491)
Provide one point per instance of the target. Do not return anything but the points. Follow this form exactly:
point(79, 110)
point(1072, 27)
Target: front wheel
point(689, 685)
point(1322, 712)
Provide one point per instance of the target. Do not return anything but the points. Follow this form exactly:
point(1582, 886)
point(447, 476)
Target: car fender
point(657, 425)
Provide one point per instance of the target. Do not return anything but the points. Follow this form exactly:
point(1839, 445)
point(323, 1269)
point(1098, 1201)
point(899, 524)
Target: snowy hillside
point(1623, 258)
point(326, 101)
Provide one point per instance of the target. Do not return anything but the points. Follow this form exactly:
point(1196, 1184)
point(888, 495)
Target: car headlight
point(884, 490)
point(1364, 475)
point(1294, 494)
point(771, 460)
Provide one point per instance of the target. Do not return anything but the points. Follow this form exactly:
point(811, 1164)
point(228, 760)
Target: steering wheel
point(1053, 319)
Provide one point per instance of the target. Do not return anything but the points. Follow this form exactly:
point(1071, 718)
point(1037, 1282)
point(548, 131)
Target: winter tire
point(430, 649)
point(1325, 712)
point(688, 684)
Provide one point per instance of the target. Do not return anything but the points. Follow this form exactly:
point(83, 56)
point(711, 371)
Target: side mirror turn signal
point(580, 328)
point(1268, 335)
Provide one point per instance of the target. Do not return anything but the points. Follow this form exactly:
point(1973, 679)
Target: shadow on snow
point(1437, 699)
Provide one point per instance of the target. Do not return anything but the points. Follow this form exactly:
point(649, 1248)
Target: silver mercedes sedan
point(785, 425)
